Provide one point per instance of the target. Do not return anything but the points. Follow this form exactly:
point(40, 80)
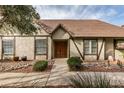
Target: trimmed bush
point(74, 63)
point(40, 65)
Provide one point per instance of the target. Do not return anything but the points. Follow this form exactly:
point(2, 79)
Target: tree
point(20, 16)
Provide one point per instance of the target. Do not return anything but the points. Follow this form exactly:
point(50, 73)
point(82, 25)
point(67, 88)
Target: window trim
point(90, 47)
point(3, 47)
point(44, 47)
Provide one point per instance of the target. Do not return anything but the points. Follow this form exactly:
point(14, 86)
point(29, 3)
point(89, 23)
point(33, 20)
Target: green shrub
point(74, 63)
point(40, 65)
point(87, 80)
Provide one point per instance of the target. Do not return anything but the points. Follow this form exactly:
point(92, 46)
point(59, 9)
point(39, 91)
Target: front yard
point(36, 79)
point(27, 66)
point(21, 74)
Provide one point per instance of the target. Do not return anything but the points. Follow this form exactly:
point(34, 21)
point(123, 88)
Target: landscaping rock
point(9, 66)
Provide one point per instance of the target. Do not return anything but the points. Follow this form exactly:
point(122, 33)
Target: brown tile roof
point(85, 28)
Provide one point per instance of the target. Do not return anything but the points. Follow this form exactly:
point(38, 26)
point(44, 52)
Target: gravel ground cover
point(19, 66)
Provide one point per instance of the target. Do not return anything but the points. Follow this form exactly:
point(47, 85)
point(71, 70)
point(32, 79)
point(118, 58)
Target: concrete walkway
point(58, 76)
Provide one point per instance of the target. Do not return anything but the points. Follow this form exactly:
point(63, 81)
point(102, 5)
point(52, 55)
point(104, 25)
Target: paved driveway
point(58, 76)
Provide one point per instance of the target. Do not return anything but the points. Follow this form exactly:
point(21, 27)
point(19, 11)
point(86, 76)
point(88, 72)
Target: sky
point(110, 13)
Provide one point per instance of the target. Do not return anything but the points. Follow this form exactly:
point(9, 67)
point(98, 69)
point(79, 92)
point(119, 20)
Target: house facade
point(91, 40)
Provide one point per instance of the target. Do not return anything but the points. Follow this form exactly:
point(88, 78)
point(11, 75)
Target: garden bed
point(29, 69)
point(102, 67)
point(20, 66)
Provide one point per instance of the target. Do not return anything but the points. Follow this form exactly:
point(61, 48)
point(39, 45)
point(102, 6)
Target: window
point(8, 47)
point(41, 46)
point(90, 47)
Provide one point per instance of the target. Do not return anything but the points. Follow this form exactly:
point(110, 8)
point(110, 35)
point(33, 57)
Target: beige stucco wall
point(60, 34)
point(41, 57)
point(24, 46)
point(90, 57)
point(102, 54)
point(52, 48)
point(0, 47)
point(8, 38)
point(109, 50)
point(49, 48)
point(40, 37)
point(73, 49)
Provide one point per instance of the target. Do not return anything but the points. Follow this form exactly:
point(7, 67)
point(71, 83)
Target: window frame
point(90, 47)
point(41, 47)
point(7, 40)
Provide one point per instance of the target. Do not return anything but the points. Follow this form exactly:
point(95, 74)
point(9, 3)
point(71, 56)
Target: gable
point(60, 33)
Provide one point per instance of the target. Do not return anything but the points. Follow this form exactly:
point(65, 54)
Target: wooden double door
point(60, 49)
